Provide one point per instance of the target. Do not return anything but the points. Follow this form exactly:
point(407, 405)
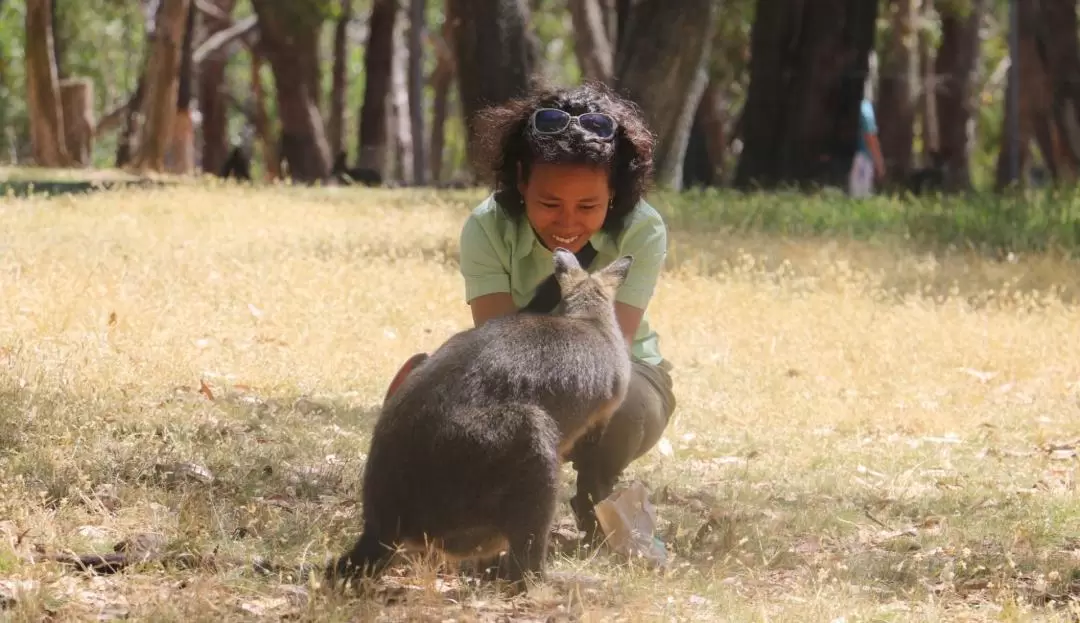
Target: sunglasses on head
point(554, 121)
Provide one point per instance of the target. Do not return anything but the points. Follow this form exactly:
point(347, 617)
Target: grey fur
point(466, 453)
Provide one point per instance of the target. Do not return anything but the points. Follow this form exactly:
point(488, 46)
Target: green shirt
point(499, 255)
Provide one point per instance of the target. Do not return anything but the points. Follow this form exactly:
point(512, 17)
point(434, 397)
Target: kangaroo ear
point(614, 274)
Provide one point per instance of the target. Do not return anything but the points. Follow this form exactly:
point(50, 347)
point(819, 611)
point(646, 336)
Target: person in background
point(868, 165)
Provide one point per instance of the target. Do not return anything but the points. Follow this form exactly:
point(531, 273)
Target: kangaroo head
point(583, 292)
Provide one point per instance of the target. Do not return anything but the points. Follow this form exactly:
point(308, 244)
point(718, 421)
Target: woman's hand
point(490, 306)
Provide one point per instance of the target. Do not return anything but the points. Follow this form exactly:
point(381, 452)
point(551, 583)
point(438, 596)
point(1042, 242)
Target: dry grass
point(852, 442)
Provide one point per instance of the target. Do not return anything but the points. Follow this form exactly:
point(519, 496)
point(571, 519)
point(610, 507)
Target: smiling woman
point(570, 168)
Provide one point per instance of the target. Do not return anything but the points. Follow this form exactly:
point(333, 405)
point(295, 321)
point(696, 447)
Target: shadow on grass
point(28, 188)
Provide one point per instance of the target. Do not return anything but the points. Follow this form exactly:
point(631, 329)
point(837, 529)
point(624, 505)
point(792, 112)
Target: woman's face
point(566, 203)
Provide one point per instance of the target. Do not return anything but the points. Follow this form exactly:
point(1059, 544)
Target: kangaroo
point(465, 456)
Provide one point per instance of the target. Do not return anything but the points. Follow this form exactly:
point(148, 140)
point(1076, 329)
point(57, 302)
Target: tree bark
point(927, 95)
point(1036, 99)
point(125, 144)
point(261, 121)
point(400, 112)
point(60, 33)
point(897, 88)
point(417, 28)
point(442, 78)
point(180, 154)
point(43, 88)
point(956, 64)
point(162, 86)
point(212, 103)
point(1062, 50)
point(591, 43)
point(662, 67)
point(704, 163)
point(495, 54)
point(77, 101)
point(809, 62)
point(335, 126)
point(622, 10)
point(290, 36)
point(373, 140)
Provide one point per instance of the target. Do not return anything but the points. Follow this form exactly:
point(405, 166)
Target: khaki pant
point(600, 458)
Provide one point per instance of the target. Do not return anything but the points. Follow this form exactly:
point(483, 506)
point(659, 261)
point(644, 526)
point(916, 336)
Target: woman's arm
point(629, 318)
point(490, 306)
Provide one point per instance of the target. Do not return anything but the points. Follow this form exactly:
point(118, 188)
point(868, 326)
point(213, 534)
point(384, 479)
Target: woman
point(570, 167)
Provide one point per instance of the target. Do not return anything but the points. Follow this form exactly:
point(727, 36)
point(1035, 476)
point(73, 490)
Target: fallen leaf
point(981, 375)
point(947, 438)
point(186, 470)
point(204, 389)
point(93, 532)
point(262, 607)
point(862, 469)
point(1064, 454)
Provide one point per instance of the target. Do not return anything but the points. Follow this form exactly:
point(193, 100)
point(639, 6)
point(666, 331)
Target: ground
point(865, 432)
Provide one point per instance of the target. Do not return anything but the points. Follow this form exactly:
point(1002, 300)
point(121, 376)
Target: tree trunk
point(162, 86)
point(261, 121)
point(704, 164)
point(591, 43)
point(495, 54)
point(417, 27)
point(697, 168)
point(809, 62)
point(610, 23)
point(1062, 50)
point(335, 127)
point(897, 88)
point(60, 33)
point(180, 155)
point(43, 88)
point(622, 10)
point(957, 62)
point(1036, 98)
point(927, 96)
point(662, 66)
point(212, 103)
point(77, 102)
point(125, 144)
point(399, 90)
point(290, 42)
point(373, 141)
point(442, 78)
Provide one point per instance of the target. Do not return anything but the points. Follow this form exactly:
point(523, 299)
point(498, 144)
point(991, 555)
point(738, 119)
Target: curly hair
point(503, 143)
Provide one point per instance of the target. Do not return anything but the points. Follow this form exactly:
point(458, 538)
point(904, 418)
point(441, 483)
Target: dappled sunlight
point(863, 430)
